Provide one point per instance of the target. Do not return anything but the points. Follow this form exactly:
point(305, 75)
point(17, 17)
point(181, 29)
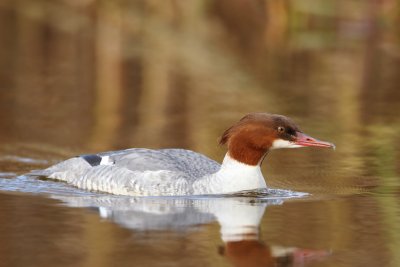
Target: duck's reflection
point(251, 253)
point(239, 219)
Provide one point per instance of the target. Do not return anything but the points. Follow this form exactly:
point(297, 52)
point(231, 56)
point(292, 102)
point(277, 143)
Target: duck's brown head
point(255, 134)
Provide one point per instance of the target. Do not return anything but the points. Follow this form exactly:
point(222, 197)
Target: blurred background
point(84, 76)
point(80, 76)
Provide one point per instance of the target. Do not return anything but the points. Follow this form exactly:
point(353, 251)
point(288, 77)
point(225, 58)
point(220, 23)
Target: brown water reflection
point(82, 76)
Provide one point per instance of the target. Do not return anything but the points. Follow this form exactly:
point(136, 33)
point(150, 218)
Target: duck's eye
point(281, 129)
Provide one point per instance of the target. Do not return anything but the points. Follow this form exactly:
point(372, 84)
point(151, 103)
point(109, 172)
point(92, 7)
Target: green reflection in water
point(382, 146)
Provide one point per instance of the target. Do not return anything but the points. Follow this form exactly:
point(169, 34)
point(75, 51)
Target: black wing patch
point(93, 160)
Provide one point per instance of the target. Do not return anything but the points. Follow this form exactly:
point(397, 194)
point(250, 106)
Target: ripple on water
point(9, 182)
point(7, 174)
point(32, 185)
point(23, 160)
point(270, 193)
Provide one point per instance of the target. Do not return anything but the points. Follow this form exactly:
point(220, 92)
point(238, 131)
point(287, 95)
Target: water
point(91, 76)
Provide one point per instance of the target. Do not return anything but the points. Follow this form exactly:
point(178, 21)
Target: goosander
point(179, 172)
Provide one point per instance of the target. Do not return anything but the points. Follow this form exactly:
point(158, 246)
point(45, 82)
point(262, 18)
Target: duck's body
point(147, 172)
point(173, 172)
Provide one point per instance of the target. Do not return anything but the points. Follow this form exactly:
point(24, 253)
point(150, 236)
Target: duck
point(181, 172)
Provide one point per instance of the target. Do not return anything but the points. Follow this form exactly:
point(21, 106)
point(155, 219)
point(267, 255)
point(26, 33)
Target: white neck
point(233, 176)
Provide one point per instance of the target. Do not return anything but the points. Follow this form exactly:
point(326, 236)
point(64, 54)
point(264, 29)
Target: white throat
point(233, 176)
point(232, 164)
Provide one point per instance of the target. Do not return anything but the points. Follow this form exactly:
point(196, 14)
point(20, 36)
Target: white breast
point(233, 176)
